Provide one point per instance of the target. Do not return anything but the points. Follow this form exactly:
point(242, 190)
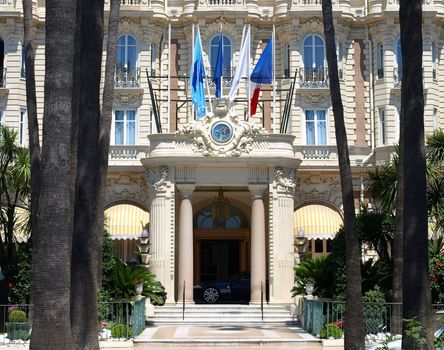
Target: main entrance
point(221, 258)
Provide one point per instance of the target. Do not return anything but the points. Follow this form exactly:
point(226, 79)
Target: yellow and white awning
point(124, 221)
point(317, 221)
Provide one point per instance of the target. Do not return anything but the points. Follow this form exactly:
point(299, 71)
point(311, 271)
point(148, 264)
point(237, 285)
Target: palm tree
point(415, 282)
point(51, 266)
point(354, 323)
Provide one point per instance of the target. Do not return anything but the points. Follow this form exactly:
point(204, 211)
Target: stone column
point(162, 227)
point(185, 243)
point(258, 271)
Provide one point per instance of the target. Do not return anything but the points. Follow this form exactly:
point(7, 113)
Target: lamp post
point(144, 245)
point(300, 245)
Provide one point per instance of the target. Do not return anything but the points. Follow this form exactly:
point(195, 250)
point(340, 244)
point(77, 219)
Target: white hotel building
point(276, 176)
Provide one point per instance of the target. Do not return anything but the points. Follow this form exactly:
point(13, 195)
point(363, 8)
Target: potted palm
point(18, 327)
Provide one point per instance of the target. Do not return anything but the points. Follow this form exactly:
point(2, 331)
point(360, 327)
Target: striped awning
point(317, 221)
point(124, 221)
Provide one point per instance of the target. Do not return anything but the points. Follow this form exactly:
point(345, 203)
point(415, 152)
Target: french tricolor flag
point(262, 74)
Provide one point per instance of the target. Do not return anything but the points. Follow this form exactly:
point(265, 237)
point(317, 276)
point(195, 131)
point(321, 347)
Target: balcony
point(222, 2)
point(227, 77)
point(317, 152)
point(313, 78)
point(129, 2)
point(127, 78)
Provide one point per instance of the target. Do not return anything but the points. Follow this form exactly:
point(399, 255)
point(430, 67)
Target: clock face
point(221, 132)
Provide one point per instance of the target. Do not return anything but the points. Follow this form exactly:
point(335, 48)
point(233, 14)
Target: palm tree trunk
point(106, 117)
point(85, 252)
point(51, 272)
point(33, 125)
point(354, 325)
point(416, 283)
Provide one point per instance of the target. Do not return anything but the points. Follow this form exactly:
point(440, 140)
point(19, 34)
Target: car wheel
point(211, 295)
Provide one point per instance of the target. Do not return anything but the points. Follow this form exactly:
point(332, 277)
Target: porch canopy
point(317, 221)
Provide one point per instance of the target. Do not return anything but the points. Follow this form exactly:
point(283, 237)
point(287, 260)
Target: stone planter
point(139, 289)
point(18, 330)
point(309, 288)
point(145, 258)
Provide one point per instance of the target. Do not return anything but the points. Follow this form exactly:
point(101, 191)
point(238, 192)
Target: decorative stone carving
point(126, 188)
point(285, 178)
point(157, 178)
point(241, 142)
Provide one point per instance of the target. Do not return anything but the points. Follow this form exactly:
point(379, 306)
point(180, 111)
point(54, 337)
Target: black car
point(237, 289)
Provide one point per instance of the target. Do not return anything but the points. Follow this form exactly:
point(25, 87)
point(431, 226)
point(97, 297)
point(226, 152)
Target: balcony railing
point(397, 77)
point(309, 2)
point(127, 77)
point(223, 2)
point(2, 77)
point(316, 152)
point(227, 77)
point(130, 2)
point(314, 77)
point(127, 152)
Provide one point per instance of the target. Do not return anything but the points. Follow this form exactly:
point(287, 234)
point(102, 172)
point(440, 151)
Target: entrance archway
point(221, 249)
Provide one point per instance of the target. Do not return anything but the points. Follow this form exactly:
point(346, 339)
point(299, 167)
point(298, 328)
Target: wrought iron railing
point(314, 77)
point(227, 76)
point(127, 77)
point(378, 317)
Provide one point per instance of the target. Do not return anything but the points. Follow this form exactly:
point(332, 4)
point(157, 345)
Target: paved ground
point(205, 337)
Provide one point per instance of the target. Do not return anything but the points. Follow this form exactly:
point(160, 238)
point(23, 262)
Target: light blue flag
point(197, 76)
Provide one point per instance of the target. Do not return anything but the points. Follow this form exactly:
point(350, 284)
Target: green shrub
point(121, 331)
point(330, 330)
point(17, 316)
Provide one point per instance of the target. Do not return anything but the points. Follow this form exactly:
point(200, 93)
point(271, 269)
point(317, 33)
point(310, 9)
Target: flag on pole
point(242, 68)
point(262, 74)
point(219, 68)
point(197, 76)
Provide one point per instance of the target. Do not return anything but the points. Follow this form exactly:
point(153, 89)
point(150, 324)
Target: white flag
point(243, 67)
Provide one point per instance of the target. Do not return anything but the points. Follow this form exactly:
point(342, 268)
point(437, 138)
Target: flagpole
point(248, 78)
point(169, 77)
point(192, 61)
point(274, 79)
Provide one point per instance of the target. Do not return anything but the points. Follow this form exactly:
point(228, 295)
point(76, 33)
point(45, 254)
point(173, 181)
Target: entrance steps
point(220, 314)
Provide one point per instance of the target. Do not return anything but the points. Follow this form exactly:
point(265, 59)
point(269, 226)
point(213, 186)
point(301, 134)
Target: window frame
point(380, 60)
point(382, 126)
point(287, 60)
point(136, 45)
point(315, 122)
point(23, 122)
point(313, 48)
point(125, 121)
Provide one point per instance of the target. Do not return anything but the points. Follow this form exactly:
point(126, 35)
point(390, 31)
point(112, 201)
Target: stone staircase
point(221, 314)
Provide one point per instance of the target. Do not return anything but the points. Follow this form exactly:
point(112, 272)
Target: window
point(382, 134)
point(398, 68)
point(434, 61)
point(340, 60)
point(319, 246)
point(153, 52)
point(435, 118)
point(126, 52)
point(125, 127)
point(226, 54)
point(315, 127)
point(23, 67)
point(314, 58)
point(287, 61)
point(397, 121)
point(380, 61)
point(22, 126)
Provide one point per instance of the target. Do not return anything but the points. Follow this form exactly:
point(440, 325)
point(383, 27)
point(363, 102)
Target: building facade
point(221, 203)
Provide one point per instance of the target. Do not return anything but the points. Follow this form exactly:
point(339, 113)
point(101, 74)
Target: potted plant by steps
point(18, 327)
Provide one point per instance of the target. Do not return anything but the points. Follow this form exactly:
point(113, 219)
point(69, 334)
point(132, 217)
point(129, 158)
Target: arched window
point(204, 218)
point(226, 51)
point(314, 58)
point(126, 52)
point(398, 69)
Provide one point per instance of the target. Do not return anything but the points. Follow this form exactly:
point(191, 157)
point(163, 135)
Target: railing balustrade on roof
point(130, 2)
point(223, 2)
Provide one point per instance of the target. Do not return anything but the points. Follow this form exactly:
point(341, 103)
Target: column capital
point(257, 190)
point(186, 190)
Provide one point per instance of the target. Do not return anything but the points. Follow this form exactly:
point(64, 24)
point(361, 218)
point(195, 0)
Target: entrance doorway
point(219, 259)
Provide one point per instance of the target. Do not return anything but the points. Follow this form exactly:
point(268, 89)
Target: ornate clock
point(221, 132)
